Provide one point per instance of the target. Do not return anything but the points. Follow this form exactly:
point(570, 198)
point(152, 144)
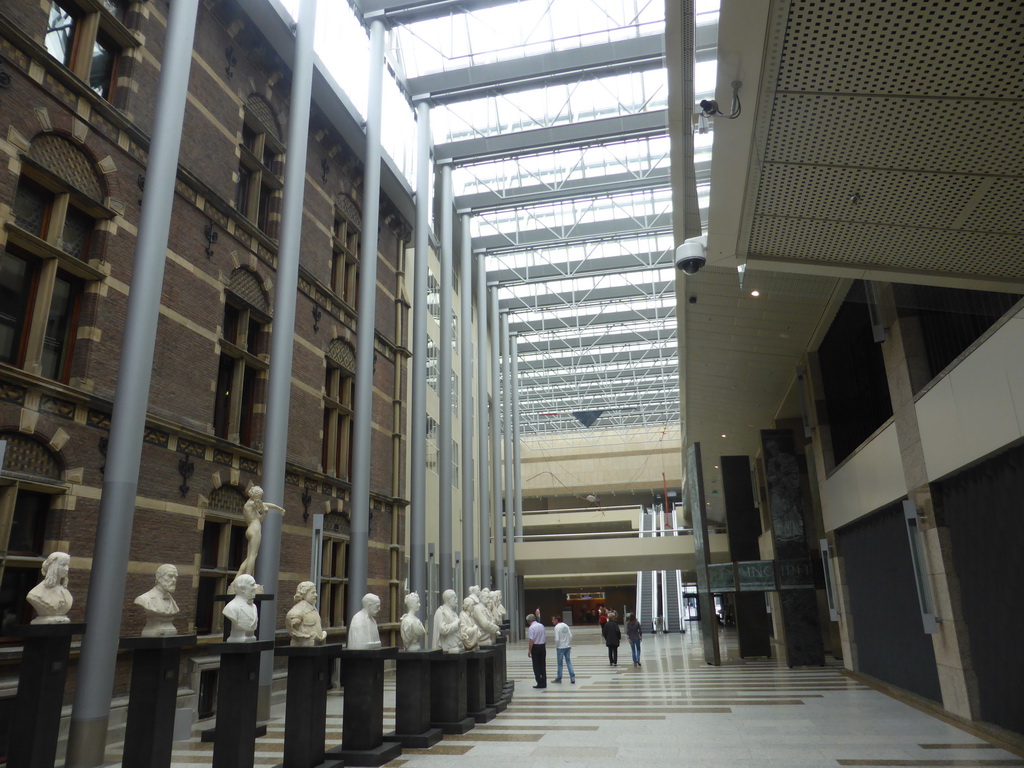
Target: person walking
point(563, 648)
point(602, 618)
point(612, 638)
point(537, 651)
point(635, 634)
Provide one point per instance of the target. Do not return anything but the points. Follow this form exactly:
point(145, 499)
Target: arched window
point(345, 250)
point(45, 264)
point(88, 38)
point(259, 165)
point(31, 478)
point(243, 360)
point(223, 550)
point(338, 390)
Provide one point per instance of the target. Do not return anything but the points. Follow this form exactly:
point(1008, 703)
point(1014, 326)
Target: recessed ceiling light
point(724, 435)
point(755, 293)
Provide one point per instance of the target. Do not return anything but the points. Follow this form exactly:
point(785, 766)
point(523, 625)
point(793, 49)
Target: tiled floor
point(677, 711)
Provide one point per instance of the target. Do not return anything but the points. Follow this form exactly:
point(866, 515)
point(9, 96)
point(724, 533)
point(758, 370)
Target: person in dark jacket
point(635, 634)
point(612, 638)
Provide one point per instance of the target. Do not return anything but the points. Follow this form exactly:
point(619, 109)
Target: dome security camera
point(691, 256)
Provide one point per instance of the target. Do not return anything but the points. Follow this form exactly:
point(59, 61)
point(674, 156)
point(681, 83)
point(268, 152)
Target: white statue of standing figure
point(470, 632)
point(362, 633)
point(51, 597)
point(412, 628)
point(446, 624)
point(303, 619)
point(241, 610)
point(158, 603)
point(489, 631)
point(254, 511)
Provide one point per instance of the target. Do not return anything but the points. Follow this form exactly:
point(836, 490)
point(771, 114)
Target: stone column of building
point(496, 448)
point(510, 495)
point(902, 352)
point(418, 447)
point(470, 566)
point(516, 456)
point(87, 739)
point(282, 340)
point(362, 418)
point(517, 477)
point(483, 439)
point(444, 391)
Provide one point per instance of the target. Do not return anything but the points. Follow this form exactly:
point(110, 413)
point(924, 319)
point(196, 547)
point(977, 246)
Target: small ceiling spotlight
point(724, 435)
point(755, 294)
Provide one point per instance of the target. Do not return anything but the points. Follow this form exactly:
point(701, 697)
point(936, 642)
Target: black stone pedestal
point(448, 693)
point(476, 686)
point(305, 719)
point(149, 732)
point(44, 668)
point(234, 738)
point(412, 701)
point(362, 729)
point(503, 687)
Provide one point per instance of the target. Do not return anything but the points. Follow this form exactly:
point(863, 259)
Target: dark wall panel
point(887, 629)
point(984, 509)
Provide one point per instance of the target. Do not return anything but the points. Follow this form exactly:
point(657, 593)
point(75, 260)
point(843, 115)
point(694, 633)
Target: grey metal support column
point(506, 389)
point(470, 566)
point(496, 443)
point(362, 428)
point(418, 457)
point(516, 447)
point(91, 714)
point(444, 390)
point(483, 440)
point(282, 337)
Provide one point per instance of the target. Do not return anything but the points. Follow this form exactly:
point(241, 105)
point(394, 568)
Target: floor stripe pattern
point(675, 710)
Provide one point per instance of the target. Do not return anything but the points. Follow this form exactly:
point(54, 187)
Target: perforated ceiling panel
point(924, 48)
point(893, 139)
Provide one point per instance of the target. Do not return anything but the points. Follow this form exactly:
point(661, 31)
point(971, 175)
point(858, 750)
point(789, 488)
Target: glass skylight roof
point(519, 29)
point(579, 238)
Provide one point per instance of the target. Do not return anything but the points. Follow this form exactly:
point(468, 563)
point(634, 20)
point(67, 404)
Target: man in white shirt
point(537, 650)
point(563, 647)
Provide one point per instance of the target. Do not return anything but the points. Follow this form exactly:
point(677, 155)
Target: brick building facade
point(75, 132)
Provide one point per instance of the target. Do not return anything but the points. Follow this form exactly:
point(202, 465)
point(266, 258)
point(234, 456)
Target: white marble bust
point(241, 610)
point(413, 631)
point(362, 633)
point(499, 607)
point(470, 632)
point(158, 603)
point(489, 631)
point(446, 624)
point(50, 597)
point(303, 619)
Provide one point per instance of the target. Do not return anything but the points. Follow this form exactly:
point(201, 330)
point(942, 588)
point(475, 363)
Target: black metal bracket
point(229, 56)
point(307, 499)
point(210, 231)
point(325, 167)
point(103, 445)
point(185, 468)
point(317, 314)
